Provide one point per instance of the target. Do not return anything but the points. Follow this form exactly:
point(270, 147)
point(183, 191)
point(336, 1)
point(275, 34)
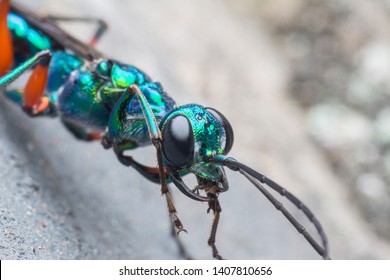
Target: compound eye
point(104, 68)
point(226, 126)
point(178, 142)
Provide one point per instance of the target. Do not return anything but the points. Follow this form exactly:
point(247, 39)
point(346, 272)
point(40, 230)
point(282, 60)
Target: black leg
point(101, 26)
point(81, 133)
point(150, 173)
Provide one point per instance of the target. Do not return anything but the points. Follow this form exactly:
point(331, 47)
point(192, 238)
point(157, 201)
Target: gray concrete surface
point(64, 199)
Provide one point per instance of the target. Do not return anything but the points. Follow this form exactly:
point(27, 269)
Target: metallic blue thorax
point(84, 94)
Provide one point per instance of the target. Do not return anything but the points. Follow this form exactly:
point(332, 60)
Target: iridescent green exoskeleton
point(101, 99)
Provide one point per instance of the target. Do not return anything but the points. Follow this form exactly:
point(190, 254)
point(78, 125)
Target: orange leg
point(6, 53)
point(33, 103)
point(33, 100)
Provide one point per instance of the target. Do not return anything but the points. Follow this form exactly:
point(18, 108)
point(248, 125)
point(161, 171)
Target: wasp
point(101, 99)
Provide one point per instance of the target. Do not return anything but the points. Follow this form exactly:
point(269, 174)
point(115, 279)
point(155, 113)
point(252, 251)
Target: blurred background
point(305, 85)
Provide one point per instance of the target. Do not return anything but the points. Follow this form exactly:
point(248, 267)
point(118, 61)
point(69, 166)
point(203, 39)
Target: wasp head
point(192, 135)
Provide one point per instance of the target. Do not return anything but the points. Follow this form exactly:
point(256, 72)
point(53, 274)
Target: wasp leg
point(216, 207)
point(182, 250)
point(150, 173)
point(6, 53)
point(116, 127)
point(81, 133)
point(153, 174)
point(102, 26)
point(156, 138)
point(34, 103)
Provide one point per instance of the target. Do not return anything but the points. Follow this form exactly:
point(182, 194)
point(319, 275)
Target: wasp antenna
point(258, 179)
